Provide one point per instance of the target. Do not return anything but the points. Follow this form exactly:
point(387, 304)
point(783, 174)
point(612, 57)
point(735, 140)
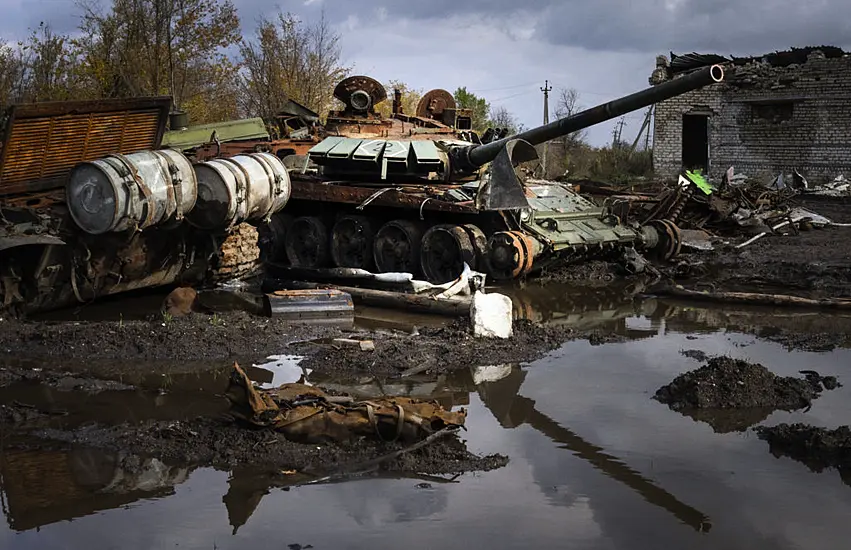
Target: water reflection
point(498, 387)
point(42, 487)
point(40, 475)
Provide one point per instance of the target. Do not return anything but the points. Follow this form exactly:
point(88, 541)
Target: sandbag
point(308, 414)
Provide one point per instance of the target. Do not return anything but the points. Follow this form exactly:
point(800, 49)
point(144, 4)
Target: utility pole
point(644, 126)
point(546, 89)
point(649, 125)
point(617, 131)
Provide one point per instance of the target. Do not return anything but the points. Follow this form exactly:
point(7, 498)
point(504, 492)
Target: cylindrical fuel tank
point(135, 191)
point(242, 188)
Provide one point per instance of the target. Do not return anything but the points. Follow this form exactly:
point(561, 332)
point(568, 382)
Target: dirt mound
point(817, 448)
point(726, 383)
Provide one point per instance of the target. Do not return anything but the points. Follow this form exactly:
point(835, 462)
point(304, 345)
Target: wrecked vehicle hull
point(91, 207)
point(423, 194)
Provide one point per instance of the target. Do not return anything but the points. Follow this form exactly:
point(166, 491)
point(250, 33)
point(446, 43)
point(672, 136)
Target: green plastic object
point(697, 178)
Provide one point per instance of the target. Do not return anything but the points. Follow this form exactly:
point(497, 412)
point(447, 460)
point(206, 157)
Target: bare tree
point(567, 104)
point(161, 47)
point(12, 74)
point(500, 117)
point(289, 60)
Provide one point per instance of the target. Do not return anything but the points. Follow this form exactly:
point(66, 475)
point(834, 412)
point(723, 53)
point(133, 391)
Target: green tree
point(479, 106)
point(12, 74)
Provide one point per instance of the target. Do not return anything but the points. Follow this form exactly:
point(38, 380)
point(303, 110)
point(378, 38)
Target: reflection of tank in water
point(576, 307)
point(423, 193)
point(90, 206)
point(41, 487)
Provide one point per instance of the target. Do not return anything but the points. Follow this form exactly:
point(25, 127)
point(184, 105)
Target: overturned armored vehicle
point(91, 206)
point(422, 193)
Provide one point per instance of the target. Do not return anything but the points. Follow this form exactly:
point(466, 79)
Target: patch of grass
point(607, 164)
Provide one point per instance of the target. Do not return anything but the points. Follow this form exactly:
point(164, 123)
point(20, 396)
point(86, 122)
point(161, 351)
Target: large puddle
point(594, 461)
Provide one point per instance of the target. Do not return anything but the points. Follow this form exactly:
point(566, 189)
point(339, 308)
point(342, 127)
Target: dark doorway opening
point(696, 142)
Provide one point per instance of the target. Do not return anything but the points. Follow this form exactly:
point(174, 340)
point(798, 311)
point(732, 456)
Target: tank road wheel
point(397, 247)
point(273, 237)
point(307, 243)
point(445, 249)
point(676, 238)
point(480, 245)
point(351, 242)
point(507, 255)
point(670, 239)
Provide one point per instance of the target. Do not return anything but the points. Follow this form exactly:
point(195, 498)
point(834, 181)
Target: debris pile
point(839, 187)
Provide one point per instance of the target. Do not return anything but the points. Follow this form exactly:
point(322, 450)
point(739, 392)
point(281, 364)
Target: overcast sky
point(504, 50)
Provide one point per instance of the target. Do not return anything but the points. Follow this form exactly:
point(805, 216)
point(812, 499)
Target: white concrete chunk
point(491, 315)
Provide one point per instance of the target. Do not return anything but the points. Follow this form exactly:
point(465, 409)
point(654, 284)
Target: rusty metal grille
point(43, 142)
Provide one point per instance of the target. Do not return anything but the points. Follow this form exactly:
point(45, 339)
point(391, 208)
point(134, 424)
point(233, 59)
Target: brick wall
point(809, 130)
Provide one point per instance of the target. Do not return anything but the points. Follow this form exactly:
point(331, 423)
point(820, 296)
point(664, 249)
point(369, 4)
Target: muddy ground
point(813, 264)
point(223, 444)
point(107, 349)
point(103, 357)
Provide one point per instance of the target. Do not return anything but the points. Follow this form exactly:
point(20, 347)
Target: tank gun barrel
point(478, 155)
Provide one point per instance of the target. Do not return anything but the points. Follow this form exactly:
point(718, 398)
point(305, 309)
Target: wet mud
point(193, 337)
point(192, 428)
point(733, 394)
point(594, 272)
point(223, 444)
point(437, 350)
point(818, 448)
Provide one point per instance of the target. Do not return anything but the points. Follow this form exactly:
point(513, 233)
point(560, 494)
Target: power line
point(512, 96)
point(502, 88)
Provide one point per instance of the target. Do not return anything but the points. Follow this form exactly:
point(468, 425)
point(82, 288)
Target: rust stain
point(357, 195)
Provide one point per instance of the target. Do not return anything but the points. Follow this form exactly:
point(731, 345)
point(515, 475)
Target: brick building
point(773, 114)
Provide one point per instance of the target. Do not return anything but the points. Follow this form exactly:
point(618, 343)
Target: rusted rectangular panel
point(44, 141)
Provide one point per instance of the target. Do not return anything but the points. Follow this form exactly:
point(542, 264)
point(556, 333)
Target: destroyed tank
point(423, 193)
point(91, 205)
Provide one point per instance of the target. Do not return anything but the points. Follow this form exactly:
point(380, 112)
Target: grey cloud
point(653, 26)
point(20, 17)
point(726, 26)
point(722, 26)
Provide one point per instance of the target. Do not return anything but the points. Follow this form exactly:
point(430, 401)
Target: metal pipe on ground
point(456, 307)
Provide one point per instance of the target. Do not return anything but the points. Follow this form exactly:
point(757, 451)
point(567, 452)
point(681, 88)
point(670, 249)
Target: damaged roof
point(690, 61)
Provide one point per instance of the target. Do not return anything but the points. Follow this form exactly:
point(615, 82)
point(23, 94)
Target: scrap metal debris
point(308, 414)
